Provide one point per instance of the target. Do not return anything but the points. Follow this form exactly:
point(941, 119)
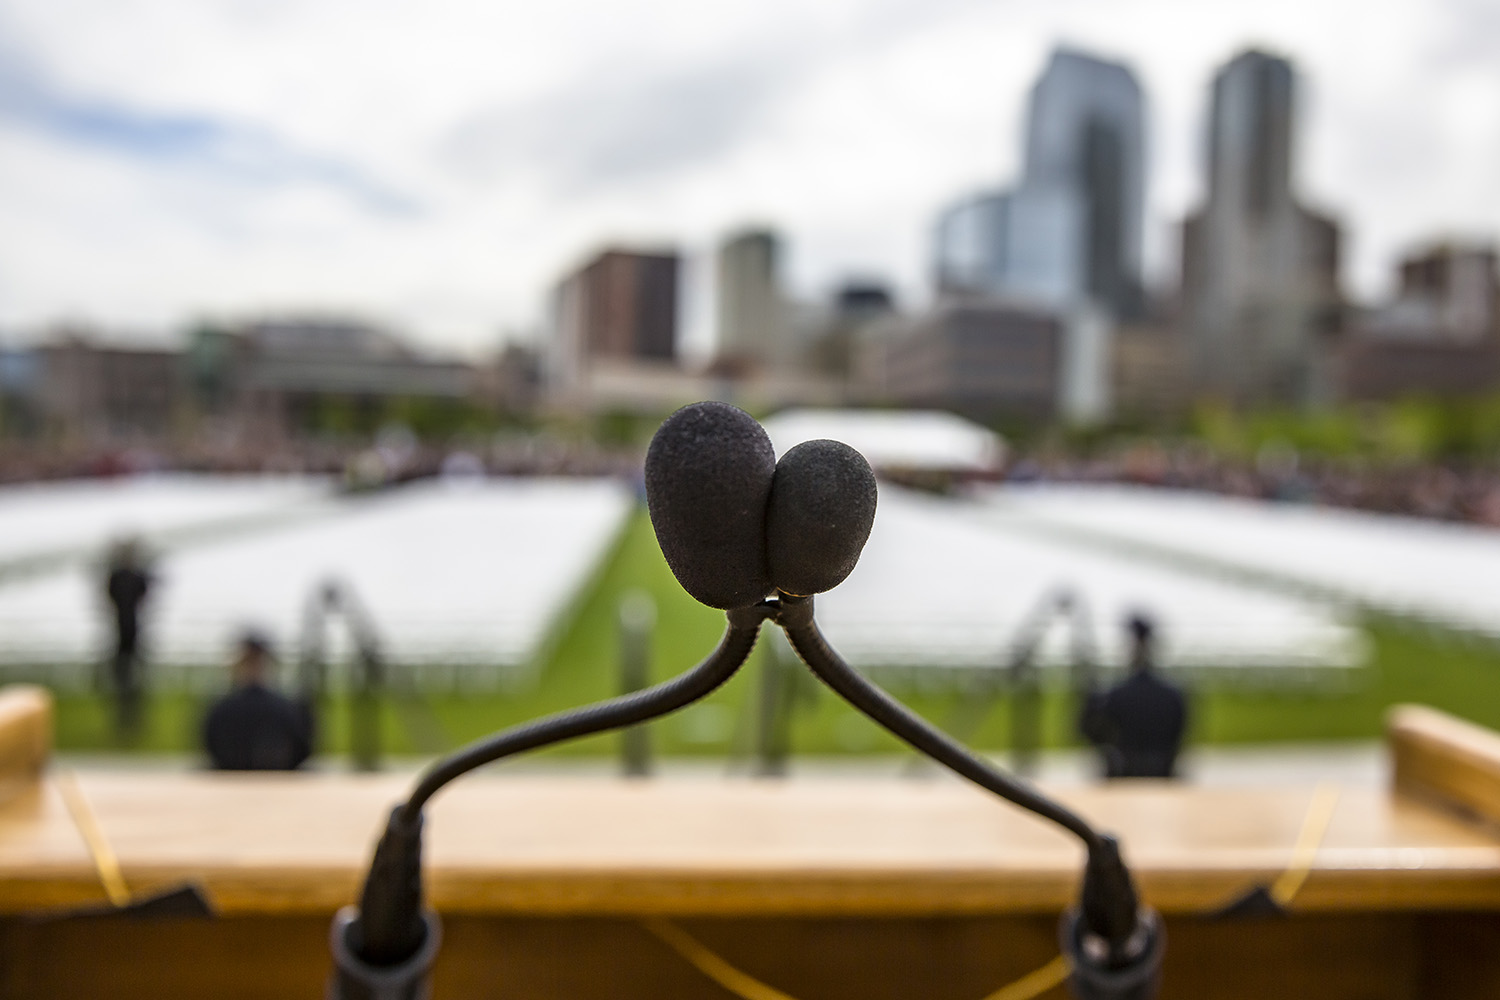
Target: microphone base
point(355, 979)
point(1092, 978)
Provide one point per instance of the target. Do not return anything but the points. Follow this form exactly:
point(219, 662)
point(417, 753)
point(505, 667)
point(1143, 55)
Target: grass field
point(1410, 662)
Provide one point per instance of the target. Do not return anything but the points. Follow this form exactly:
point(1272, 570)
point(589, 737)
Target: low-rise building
point(993, 360)
point(278, 378)
point(1151, 374)
point(1440, 335)
point(97, 394)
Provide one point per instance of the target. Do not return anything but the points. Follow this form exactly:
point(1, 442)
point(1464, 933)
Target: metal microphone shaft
point(626, 710)
point(1109, 907)
point(390, 926)
point(796, 618)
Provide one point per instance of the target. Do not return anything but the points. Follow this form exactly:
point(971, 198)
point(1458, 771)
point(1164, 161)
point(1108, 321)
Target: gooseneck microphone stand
point(384, 949)
point(736, 523)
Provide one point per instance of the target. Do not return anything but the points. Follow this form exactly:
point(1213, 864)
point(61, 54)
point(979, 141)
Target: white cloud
point(523, 134)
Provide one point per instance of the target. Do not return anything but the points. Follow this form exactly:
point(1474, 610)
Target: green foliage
point(1413, 429)
point(337, 416)
point(439, 419)
point(432, 419)
point(625, 428)
point(1410, 663)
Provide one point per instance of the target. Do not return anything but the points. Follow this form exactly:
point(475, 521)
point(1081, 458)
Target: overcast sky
point(437, 165)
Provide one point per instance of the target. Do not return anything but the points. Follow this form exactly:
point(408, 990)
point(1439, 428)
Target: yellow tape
point(711, 965)
point(1034, 984)
point(747, 987)
point(105, 862)
point(1305, 851)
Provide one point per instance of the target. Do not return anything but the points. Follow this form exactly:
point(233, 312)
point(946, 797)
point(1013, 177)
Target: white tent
point(474, 574)
point(942, 583)
point(905, 439)
point(80, 518)
point(1446, 573)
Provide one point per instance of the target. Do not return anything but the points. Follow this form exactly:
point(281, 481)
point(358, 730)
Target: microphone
point(820, 514)
point(708, 477)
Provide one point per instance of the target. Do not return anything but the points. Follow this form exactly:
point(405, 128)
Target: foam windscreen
point(708, 478)
point(821, 511)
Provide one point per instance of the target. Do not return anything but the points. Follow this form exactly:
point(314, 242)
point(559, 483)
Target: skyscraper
point(753, 327)
point(1076, 226)
point(1259, 271)
point(1070, 232)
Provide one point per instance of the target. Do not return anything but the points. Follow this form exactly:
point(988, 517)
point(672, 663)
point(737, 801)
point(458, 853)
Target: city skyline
point(439, 171)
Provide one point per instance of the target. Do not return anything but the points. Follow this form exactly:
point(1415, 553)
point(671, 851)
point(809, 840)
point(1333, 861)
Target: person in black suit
point(254, 728)
point(1138, 724)
point(126, 587)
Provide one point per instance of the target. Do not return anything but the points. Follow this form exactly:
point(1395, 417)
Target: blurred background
point(348, 323)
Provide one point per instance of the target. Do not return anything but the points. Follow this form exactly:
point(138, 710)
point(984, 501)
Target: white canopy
point(1443, 572)
point(943, 583)
point(907, 439)
point(80, 518)
point(470, 573)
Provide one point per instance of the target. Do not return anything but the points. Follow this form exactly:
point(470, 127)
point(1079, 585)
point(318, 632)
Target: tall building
point(1070, 232)
point(1076, 226)
point(1260, 272)
point(753, 327)
point(621, 306)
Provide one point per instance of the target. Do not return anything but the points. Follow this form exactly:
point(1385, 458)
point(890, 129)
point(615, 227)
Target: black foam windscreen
point(822, 508)
point(708, 477)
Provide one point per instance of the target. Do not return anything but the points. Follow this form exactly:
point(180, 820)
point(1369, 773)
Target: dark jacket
point(253, 728)
point(127, 588)
point(1137, 725)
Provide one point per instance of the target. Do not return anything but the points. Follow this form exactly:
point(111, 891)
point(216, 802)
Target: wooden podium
point(825, 889)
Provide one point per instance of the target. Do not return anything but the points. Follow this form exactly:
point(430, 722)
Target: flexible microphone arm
point(383, 949)
point(796, 619)
point(1110, 907)
point(616, 713)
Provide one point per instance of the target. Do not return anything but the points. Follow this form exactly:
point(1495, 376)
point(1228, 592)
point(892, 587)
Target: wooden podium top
point(289, 844)
point(299, 844)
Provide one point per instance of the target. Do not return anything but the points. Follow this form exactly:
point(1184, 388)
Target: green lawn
point(1409, 663)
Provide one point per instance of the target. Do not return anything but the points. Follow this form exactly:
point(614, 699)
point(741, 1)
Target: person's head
point(125, 553)
point(252, 663)
point(1142, 631)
